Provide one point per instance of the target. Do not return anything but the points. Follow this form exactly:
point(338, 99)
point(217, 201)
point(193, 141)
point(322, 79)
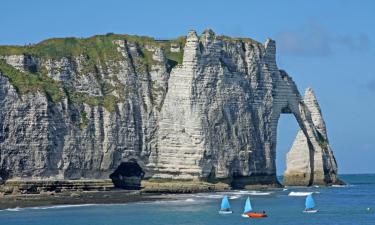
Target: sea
point(351, 204)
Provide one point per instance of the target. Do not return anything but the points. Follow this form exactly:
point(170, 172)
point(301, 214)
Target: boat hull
point(310, 211)
point(254, 215)
point(225, 212)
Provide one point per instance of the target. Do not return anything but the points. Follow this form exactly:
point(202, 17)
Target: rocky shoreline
point(77, 198)
point(21, 193)
point(45, 187)
point(44, 193)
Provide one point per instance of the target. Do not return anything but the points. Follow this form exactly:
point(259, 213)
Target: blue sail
point(225, 203)
point(309, 204)
point(248, 207)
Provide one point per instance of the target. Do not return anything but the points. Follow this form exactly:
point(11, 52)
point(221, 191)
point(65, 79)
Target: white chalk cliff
point(197, 107)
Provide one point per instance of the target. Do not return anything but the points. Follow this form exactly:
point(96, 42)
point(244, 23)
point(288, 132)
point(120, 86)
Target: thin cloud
point(359, 43)
point(315, 41)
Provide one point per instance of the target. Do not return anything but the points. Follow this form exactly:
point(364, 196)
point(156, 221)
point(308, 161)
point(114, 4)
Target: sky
point(326, 45)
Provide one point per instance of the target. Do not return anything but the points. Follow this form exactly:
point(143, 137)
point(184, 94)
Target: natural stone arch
point(310, 160)
point(214, 115)
point(201, 129)
point(303, 163)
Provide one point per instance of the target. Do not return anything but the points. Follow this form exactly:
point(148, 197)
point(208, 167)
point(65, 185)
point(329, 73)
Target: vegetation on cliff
point(25, 82)
point(98, 48)
point(99, 53)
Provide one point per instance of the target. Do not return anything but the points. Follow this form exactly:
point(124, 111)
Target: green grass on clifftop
point(98, 51)
point(26, 82)
point(97, 48)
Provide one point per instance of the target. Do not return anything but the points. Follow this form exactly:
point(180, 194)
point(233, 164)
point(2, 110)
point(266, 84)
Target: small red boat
point(256, 215)
point(249, 213)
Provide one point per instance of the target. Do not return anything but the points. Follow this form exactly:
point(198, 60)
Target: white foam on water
point(294, 193)
point(222, 193)
point(231, 195)
point(254, 193)
point(62, 206)
point(242, 192)
point(17, 209)
point(234, 197)
point(342, 186)
point(212, 196)
point(174, 201)
point(260, 193)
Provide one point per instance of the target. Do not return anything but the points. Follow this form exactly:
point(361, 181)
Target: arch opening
point(287, 129)
point(128, 175)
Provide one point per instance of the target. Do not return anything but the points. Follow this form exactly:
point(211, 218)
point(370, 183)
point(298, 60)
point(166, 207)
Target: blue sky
point(328, 45)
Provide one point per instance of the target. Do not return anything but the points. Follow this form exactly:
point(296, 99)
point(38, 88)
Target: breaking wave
point(61, 206)
point(295, 193)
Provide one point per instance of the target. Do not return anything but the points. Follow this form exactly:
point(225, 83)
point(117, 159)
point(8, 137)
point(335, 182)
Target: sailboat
point(309, 205)
point(225, 206)
point(248, 211)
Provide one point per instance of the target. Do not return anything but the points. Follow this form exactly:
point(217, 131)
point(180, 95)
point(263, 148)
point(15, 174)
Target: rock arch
point(310, 161)
point(128, 175)
point(221, 111)
point(214, 115)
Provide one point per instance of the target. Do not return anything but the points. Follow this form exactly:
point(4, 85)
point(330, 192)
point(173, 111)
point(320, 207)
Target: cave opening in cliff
point(287, 129)
point(4, 175)
point(128, 175)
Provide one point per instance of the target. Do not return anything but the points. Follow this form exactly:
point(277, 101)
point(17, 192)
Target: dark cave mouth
point(128, 175)
point(4, 175)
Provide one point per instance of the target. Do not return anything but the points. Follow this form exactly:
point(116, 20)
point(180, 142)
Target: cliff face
point(191, 108)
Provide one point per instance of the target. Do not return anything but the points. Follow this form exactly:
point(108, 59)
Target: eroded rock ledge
point(200, 108)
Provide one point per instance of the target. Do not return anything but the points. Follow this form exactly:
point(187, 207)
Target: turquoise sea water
point(338, 205)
